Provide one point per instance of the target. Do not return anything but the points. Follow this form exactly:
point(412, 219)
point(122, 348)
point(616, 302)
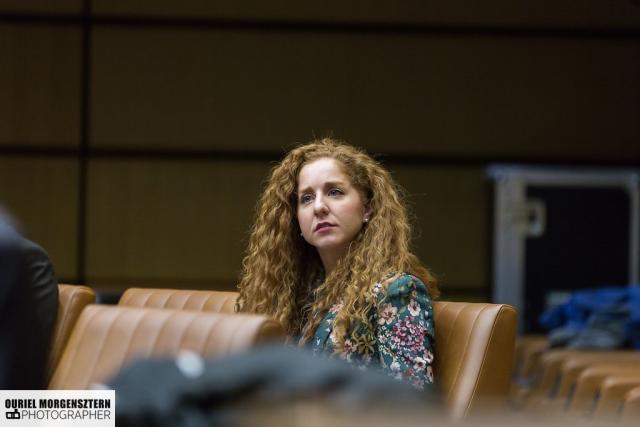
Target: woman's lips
point(323, 227)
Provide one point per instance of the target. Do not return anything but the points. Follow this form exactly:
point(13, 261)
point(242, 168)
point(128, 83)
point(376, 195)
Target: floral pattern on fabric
point(404, 336)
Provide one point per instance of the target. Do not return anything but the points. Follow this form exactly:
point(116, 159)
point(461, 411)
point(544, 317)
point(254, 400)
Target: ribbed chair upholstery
point(474, 342)
point(108, 337)
point(72, 300)
point(474, 354)
point(212, 301)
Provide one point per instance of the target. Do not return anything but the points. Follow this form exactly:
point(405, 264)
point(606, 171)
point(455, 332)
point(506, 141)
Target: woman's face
point(331, 211)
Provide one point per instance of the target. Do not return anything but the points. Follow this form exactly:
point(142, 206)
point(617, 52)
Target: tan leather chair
point(108, 337)
point(589, 382)
point(213, 301)
point(547, 375)
point(474, 342)
point(613, 391)
point(573, 368)
point(474, 354)
point(631, 409)
point(72, 300)
point(528, 351)
point(553, 365)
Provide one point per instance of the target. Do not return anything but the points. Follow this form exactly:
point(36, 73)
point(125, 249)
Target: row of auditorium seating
point(92, 342)
point(601, 386)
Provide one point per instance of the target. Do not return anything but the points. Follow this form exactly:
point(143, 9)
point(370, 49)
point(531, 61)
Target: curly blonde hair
point(282, 274)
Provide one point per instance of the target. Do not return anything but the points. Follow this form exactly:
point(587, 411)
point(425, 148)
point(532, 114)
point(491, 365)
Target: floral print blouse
point(404, 333)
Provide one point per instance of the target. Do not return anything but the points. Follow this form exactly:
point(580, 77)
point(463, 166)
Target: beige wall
point(185, 118)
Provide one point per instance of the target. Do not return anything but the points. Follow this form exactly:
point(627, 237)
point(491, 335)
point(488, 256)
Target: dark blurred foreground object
point(270, 386)
point(603, 318)
point(28, 309)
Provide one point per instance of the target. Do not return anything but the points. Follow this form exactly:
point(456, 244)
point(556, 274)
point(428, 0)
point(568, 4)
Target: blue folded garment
point(602, 318)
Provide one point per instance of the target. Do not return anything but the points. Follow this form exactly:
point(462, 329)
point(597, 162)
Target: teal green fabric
point(404, 336)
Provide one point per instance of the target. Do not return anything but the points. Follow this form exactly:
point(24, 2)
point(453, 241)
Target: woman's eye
point(306, 198)
point(335, 192)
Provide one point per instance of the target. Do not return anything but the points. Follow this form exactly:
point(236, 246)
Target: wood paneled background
point(135, 135)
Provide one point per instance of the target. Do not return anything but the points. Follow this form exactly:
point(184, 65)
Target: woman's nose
point(319, 205)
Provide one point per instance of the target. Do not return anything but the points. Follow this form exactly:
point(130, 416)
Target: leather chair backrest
point(475, 342)
point(613, 391)
point(631, 409)
point(474, 350)
point(587, 389)
point(527, 353)
point(72, 300)
point(108, 337)
point(573, 369)
point(212, 301)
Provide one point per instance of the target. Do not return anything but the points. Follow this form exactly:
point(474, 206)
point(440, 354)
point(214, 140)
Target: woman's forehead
point(322, 170)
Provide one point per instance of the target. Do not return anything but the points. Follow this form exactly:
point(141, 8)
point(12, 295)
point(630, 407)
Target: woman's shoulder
point(406, 300)
point(405, 282)
point(399, 284)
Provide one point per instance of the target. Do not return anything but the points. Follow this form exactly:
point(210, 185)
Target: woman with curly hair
point(329, 258)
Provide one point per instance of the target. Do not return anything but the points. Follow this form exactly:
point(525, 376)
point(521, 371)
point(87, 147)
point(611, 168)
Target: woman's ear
point(368, 211)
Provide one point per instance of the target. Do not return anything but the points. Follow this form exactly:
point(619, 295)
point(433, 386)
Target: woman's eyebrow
point(334, 184)
point(303, 190)
point(324, 185)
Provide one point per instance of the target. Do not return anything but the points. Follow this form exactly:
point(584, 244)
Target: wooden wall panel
point(169, 223)
point(186, 223)
point(587, 13)
point(41, 6)
point(538, 97)
point(547, 81)
point(449, 207)
point(42, 194)
point(40, 85)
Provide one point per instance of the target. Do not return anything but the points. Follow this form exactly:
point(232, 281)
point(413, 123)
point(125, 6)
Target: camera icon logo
point(15, 415)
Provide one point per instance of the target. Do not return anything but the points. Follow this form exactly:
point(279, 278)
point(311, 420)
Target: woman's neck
point(330, 260)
